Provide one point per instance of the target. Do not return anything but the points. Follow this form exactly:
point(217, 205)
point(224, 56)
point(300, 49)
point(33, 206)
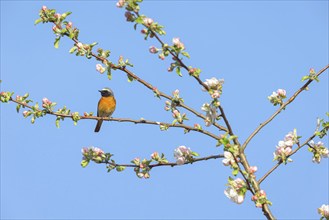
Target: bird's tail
point(98, 126)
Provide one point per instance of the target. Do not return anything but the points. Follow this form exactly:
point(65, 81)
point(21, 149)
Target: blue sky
point(256, 47)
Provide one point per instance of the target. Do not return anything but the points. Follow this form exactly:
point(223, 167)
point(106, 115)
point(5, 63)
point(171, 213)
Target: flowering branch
point(282, 107)
point(48, 15)
point(74, 116)
point(324, 130)
point(172, 164)
point(175, 56)
point(143, 167)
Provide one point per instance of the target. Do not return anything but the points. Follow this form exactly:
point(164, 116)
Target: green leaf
point(33, 119)
point(26, 95)
point(57, 122)
point(195, 154)
point(178, 71)
point(37, 21)
point(64, 15)
point(18, 107)
point(186, 54)
point(305, 78)
point(120, 168)
point(130, 79)
point(93, 44)
point(139, 20)
point(109, 73)
point(84, 163)
point(56, 43)
point(74, 48)
point(235, 172)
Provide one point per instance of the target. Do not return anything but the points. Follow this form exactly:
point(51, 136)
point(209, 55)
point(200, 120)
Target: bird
point(106, 106)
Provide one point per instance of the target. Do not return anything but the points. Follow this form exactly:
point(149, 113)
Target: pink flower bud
point(155, 155)
point(161, 56)
point(175, 113)
point(120, 3)
point(252, 169)
point(144, 31)
point(176, 92)
point(192, 70)
point(69, 25)
point(176, 41)
point(254, 198)
point(97, 150)
point(44, 8)
point(136, 160)
point(147, 21)
point(57, 15)
point(153, 49)
point(312, 71)
point(262, 193)
point(46, 101)
point(26, 113)
point(215, 95)
point(281, 93)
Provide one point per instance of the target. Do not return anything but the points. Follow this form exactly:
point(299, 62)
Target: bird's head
point(106, 92)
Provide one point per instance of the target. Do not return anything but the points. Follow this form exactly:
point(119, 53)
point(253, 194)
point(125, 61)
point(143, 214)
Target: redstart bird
point(106, 106)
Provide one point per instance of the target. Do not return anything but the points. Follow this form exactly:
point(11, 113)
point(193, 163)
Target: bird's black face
point(106, 92)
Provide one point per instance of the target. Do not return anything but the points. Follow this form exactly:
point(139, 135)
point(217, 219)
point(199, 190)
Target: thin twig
point(284, 105)
point(280, 162)
point(140, 121)
point(168, 164)
point(151, 87)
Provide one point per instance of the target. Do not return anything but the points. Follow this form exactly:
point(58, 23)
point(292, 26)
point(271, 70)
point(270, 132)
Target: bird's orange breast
point(106, 106)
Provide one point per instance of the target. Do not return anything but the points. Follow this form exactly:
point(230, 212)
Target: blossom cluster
point(142, 170)
point(277, 97)
point(284, 148)
point(215, 87)
point(260, 199)
point(46, 103)
point(5, 96)
point(229, 160)
point(319, 151)
point(178, 44)
point(100, 68)
point(183, 154)
point(211, 113)
point(236, 190)
point(324, 211)
point(92, 154)
point(175, 101)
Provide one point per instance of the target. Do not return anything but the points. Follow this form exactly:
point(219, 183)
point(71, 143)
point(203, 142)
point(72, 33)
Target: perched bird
point(106, 106)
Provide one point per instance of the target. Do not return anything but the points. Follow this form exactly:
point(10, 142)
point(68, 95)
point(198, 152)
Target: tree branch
point(140, 121)
point(151, 87)
point(168, 164)
point(284, 105)
point(280, 162)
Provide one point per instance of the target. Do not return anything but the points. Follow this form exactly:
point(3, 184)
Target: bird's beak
point(99, 90)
